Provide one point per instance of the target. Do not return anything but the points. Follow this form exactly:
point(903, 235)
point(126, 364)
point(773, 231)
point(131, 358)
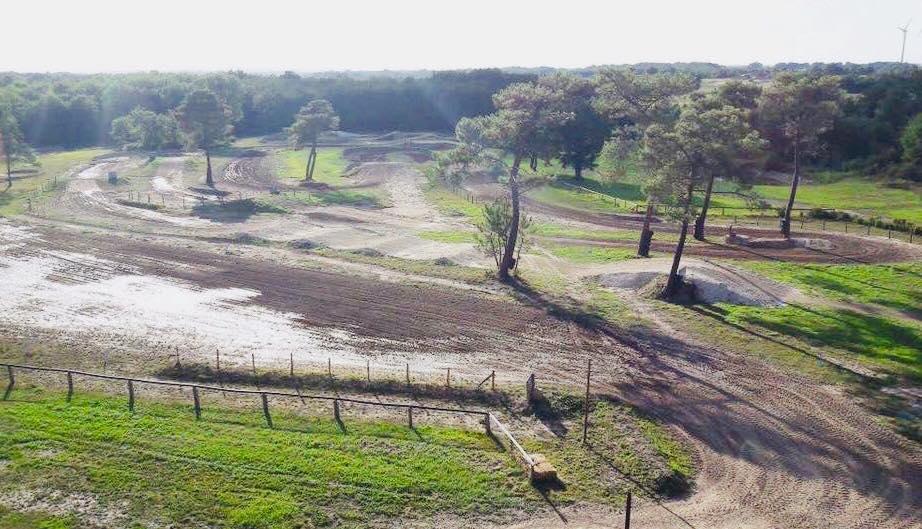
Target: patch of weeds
point(592, 254)
point(368, 252)
point(306, 244)
point(236, 210)
point(32, 520)
point(457, 237)
point(139, 205)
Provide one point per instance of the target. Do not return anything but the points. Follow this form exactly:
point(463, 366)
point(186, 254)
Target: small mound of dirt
point(368, 252)
point(306, 244)
point(704, 283)
point(778, 243)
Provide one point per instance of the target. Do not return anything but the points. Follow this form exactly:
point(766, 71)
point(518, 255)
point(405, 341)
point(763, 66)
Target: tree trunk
point(311, 161)
point(533, 163)
point(578, 171)
point(209, 180)
point(795, 181)
point(702, 217)
point(508, 261)
point(646, 235)
point(672, 285)
point(9, 171)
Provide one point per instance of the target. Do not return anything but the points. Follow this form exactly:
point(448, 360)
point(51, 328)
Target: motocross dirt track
point(774, 449)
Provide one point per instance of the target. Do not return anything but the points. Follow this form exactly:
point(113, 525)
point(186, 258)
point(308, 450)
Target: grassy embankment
point(160, 465)
point(863, 317)
point(866, 197)
point(329, 170)
point(41, 184)
point(454, 205)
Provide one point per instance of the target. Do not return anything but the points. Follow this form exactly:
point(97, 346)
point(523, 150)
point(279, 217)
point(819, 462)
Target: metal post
point(889, 232)
point(586, 402)
point(448, 378)
point(266, 410)
point(408, 374)
point(196, 403)
point(368, 370)
point(70, 386)
point(330, 367)
point(291, 359)
point(130, 396)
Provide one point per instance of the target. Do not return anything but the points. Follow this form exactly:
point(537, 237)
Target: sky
point(306, 35)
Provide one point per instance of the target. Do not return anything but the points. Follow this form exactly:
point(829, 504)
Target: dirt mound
point(711, 282)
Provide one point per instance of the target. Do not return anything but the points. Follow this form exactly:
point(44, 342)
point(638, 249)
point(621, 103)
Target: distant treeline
point(69, 110)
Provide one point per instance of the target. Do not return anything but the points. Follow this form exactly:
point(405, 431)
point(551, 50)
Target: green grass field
point(230, 471)
point(52, 164)
point(861, 196)
point(160, 466)
point(591, 254)
point(329, 169)
point(897, 286)
point(878, 328)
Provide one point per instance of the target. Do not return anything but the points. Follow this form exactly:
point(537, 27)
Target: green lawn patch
point(449, 236)
point(863, 196)
point(32, 520)
point(898, 286)
point(229, 471)
point(329, 169)
point(452, 204)
point(592, 254)
point(884, 344)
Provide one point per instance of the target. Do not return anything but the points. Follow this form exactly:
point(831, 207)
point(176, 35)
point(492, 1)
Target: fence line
point(489, 419)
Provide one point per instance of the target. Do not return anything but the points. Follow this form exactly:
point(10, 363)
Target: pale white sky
point(305, 35)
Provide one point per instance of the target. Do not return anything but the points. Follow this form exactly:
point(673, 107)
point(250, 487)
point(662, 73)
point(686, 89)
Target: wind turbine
point(904, 29)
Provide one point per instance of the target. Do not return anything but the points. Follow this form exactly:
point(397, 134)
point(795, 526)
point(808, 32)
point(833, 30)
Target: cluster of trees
point(68, 110)
point(684, 138)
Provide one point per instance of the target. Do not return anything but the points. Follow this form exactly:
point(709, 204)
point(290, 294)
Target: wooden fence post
point(448, 378)
point(487, 426)
point(408, 375)
point(291, 365)
point(330, 367)
point(410, 416)
point(196, 403)
point(9, 388)
point(530, 388)
point(336, 411)
point(368, 370)
point(70, 386)
point(266, 409)
point(130, 396)
point(217, 360)
point(586, 403)
point(627, 511)
point(493, 381)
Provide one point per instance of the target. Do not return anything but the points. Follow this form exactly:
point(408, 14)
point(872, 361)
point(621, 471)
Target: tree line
point(682, 137)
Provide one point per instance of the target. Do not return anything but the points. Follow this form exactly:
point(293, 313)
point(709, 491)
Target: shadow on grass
point(207, 375)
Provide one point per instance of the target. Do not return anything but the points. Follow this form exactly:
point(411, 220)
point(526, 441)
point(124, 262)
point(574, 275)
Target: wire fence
point(487, 419)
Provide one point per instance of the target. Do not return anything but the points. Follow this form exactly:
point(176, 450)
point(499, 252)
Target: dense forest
point(69, 110)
